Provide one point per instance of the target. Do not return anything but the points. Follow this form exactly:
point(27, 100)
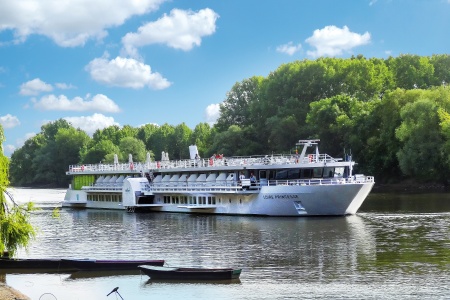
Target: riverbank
point(8, 293)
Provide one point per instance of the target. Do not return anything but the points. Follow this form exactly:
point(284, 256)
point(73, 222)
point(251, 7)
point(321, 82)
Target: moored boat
point(32, 263)
point(308, 183)
point(51, 264)
point(99, 265)
point(171, 273)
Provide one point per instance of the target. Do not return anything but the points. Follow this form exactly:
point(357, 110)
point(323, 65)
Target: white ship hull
point(305, 185)
point(292, 200)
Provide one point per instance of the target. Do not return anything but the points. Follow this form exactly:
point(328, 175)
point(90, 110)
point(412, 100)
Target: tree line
point(391, 115)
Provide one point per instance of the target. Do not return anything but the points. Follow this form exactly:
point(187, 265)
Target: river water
point(396, 247)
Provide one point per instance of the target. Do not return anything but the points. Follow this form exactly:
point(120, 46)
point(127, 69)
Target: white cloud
point(9, 121)
point(289, 48)
point(212, 113)
point(69, 23)
point(180, 30)
point(35, 87)
point(334, 41)
point(64, 86)
point(125, 72)
point(91, 123)
point(8, 149)
point(98, 103)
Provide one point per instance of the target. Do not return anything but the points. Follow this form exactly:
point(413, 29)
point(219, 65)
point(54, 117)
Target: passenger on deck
point(252, 179)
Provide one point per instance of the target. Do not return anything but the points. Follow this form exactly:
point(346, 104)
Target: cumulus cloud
point(125, 72)
point(212, 113)
point(8, 149)
point(98, 103)
point(69, 23)
point(35, 87)
point(9, 121)
point(64, 86)
point(91, 123)
point(289, 48)
point(334, 41)
point(180, 30)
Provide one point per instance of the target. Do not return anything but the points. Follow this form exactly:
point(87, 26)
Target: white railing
point(204, 163)
point(236, 186)
point(230, 186)
point(124, 167)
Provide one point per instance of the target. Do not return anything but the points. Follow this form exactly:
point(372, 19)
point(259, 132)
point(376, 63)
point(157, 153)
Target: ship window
point(281, 175)
point(263, 174)
point(328, 172)
point(306, 173)
point(318, 172)
point(294, 174)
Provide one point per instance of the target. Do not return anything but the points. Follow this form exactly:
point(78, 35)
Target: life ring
point(131, 166)
point(158, 164)
point(82, 168)
point(310, 157)
point(211, 161)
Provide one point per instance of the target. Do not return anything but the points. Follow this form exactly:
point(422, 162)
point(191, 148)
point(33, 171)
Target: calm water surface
point(396, 247)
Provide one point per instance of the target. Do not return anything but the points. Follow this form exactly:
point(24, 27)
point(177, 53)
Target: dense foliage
point(15, 228)
point(391, 114)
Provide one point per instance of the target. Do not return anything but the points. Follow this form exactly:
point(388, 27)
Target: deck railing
point(203, 163)
point(234, 186)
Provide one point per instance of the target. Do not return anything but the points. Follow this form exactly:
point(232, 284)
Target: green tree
point(202, 138)
point(68, 142)
point(163, 140)
point(420, 134)
point(52, 159)
point(182, 137)
point(99, 151)
point(441, 65)
point(412, 71)
point(234, 142)
point(110, 133)
point(22, 171)
point(236, 109)
point(145, 132)
point(16, 230)
point(135, 147)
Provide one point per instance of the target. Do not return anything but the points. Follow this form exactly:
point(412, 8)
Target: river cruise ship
point(308, 183)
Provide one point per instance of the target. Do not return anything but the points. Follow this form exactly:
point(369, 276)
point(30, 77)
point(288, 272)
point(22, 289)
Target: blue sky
point(101, 63)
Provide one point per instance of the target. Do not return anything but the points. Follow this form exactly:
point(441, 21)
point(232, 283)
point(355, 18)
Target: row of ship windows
point(190, 199)
point(105, 197)
point(200, 200)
